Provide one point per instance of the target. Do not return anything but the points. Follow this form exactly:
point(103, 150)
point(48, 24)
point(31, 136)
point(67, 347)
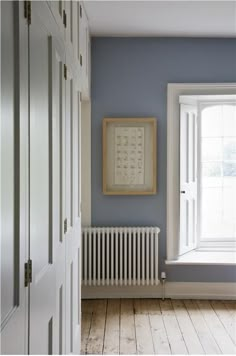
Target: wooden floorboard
point(159, 335)
point(187, 328)
point(153, 326)
point(207, 340)
point(226, 318)
point(86, 322)
point(143, 335)
point(218, 331)
point(174, 334)
point(112, 330)
point(128, 345)
point(95, 341)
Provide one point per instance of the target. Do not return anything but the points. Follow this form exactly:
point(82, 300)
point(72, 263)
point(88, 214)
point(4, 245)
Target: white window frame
point(174, 91)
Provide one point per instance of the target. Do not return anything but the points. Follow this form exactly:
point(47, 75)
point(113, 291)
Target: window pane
point(229, 208)
point(211, 169)
point(229, 169)
point(211, 125)
point(211, 149)
point(229, 149)
point(211, 182)
point(218, 175)
point(218, 212)
point(229, 120)
point(211, 212)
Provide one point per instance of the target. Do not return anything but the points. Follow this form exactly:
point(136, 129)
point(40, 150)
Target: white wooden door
point(14, 177)
point(40, 186)
point(73, 230)
point(188, 177)
point(43, 286)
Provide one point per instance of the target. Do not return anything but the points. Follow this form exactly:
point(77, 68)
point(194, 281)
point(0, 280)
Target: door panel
point(69, 20)
point(71, 24)
point(84, 49)
point(43, 287)
point(57, 8)
point(7, 160)
point(73, 291)
point(68, 151)
point(58, 97)
point(14, 234)
point(72, 236)
point(77, 156)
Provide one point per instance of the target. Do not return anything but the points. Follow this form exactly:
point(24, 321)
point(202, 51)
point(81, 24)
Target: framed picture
point(129, 156)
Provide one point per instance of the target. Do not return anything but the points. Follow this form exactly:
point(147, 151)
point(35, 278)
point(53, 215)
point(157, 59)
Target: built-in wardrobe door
point(73, 230)
point(58, 127)
point(14, 177)
point(42, 136)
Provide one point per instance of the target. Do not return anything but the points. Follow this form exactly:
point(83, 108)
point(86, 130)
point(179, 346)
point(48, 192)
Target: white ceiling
point(162, 18)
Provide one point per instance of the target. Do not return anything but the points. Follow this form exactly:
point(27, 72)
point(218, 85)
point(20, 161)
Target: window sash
point(202, 241)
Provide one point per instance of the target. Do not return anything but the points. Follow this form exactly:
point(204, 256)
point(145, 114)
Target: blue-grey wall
point(129, 79)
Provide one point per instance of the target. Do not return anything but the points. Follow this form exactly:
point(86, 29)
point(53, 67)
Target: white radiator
point(120, 256)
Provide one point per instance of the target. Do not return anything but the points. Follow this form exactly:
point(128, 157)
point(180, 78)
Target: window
point(207, 172)
point(201, 168)
point(218, 173)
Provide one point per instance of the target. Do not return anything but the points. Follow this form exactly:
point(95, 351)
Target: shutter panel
point(188, 178)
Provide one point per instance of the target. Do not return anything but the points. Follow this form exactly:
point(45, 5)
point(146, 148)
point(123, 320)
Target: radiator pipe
point(163, 282)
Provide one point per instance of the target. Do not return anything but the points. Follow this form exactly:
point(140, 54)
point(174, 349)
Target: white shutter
point(188, 178)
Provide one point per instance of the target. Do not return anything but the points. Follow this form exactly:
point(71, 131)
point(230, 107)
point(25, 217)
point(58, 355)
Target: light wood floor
point(153, 326)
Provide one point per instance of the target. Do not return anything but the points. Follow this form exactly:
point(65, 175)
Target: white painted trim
point(173, 92)
point(201, 257)
point(206, 99)
point(173, 290)
point(86, 163)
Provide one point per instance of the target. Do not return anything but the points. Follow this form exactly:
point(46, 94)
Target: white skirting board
point(173, 290)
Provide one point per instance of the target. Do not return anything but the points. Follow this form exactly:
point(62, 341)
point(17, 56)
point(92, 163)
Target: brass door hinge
point(27, 11)
point(28, 273)
point(81, 59)
point(65, 226)
point(65, 71)
point(80, 11)
point(64, 19)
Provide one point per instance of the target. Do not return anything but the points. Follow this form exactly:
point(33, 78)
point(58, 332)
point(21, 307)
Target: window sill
point(205, 258)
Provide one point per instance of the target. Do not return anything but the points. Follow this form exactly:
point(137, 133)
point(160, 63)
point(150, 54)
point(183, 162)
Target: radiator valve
point(163, 276)
point(163, 280)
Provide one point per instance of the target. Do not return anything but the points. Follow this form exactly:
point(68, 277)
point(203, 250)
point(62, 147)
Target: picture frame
point(129, 156)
